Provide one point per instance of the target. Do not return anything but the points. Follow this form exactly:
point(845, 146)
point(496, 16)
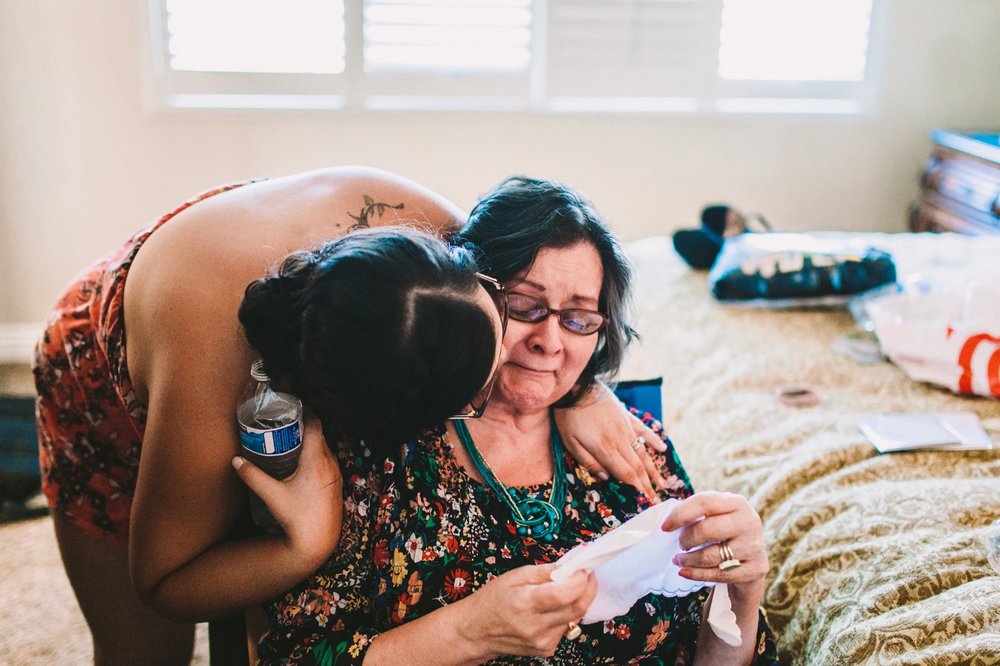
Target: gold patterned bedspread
point(875, 559)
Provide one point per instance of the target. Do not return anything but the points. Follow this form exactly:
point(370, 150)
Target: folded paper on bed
point(635, 559)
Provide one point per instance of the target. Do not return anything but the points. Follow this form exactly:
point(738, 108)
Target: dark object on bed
point(697, 247)
point(797, 266)
point(700, 247)
point(19, 475)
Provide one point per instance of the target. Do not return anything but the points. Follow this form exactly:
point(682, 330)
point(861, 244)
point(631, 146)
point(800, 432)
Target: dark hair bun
point(380, 333)
point(271, 312)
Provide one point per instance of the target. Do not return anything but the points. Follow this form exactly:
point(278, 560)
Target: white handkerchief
point(721, 617)
point(635, 559)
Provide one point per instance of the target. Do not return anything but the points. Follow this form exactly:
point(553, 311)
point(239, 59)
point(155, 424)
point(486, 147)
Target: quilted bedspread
point(875, 559)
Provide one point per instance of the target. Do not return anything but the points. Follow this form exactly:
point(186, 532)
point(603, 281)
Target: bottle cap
point(257, 371)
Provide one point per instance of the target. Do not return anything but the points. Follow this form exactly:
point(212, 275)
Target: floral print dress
point(419, 533)
point(90, 420)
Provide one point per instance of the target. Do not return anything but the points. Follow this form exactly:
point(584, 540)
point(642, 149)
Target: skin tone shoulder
point(189, 363)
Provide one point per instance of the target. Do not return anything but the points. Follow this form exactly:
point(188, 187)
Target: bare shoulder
point(183, 293)
point(186, 325)
point(376, 197)
point(358, 177)
point(188, 279)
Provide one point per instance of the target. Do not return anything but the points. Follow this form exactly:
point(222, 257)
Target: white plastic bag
point(945, 337)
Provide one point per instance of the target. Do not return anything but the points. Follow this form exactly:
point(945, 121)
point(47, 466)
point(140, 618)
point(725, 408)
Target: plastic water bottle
point(270, 425)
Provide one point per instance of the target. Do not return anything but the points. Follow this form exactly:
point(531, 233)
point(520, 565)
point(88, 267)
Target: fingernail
point(238, 462)
point(676, 560)
point(603, 476)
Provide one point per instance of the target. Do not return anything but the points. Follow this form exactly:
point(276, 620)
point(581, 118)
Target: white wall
point(82, 164)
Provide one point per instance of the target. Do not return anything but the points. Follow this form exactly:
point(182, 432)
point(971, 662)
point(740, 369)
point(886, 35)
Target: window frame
point(354, 90)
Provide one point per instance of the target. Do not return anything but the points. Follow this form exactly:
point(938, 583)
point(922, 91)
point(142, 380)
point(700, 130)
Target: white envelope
point(635, 559)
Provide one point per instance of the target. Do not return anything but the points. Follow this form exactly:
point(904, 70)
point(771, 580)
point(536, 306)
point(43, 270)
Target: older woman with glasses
point(447, 547)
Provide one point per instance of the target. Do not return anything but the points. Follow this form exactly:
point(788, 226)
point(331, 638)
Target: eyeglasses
point(498, 294)
point(578, 321)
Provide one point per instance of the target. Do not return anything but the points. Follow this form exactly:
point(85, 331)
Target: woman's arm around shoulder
point(603, 436)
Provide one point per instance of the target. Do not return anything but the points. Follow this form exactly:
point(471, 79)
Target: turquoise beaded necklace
point(535, 517)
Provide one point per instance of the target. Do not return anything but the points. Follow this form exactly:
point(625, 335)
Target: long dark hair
point(519, 217)
point(379, 332)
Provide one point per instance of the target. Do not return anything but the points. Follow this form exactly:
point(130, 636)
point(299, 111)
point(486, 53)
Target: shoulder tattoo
point(370, 208)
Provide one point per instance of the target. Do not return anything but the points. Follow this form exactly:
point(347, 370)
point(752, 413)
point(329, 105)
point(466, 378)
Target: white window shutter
point(447, 36)
point(794, 40)
point(636, 49)
point(798, 56)
point(248, 54)
point(472, 54)
point(267, 36)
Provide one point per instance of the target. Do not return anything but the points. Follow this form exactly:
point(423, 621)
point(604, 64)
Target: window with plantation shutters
point(798, 54)
point(449, 36)
point(448, 53)
point(641, 55)
point(248, 53)
point(520, 55)
point(288, 37)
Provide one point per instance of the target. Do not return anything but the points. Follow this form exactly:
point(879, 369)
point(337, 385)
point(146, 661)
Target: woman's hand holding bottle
point(308, 505)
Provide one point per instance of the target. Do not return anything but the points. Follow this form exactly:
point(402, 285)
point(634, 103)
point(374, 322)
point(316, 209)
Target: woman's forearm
point(454, 643)
point(229, 577)
point(746, 606)
point(185, 560)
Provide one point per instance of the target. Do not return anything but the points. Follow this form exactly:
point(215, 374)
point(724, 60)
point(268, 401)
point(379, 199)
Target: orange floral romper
point(90, 422)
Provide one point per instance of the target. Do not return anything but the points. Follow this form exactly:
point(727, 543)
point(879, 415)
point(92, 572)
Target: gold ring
point(637, 444)
point(573, 632)
point(727, 559)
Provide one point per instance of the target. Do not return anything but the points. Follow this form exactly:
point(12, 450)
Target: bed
point(875, 559)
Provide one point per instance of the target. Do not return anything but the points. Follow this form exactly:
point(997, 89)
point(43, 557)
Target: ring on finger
point(727, 560)
point(573, 632)
point(638, 443)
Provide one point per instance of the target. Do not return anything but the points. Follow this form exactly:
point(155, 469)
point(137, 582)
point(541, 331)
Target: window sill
point(554, 105)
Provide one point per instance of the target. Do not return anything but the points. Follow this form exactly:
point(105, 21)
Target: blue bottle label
point(274, 441)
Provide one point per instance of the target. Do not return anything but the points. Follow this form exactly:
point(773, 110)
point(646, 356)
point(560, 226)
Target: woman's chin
point(530, 396)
